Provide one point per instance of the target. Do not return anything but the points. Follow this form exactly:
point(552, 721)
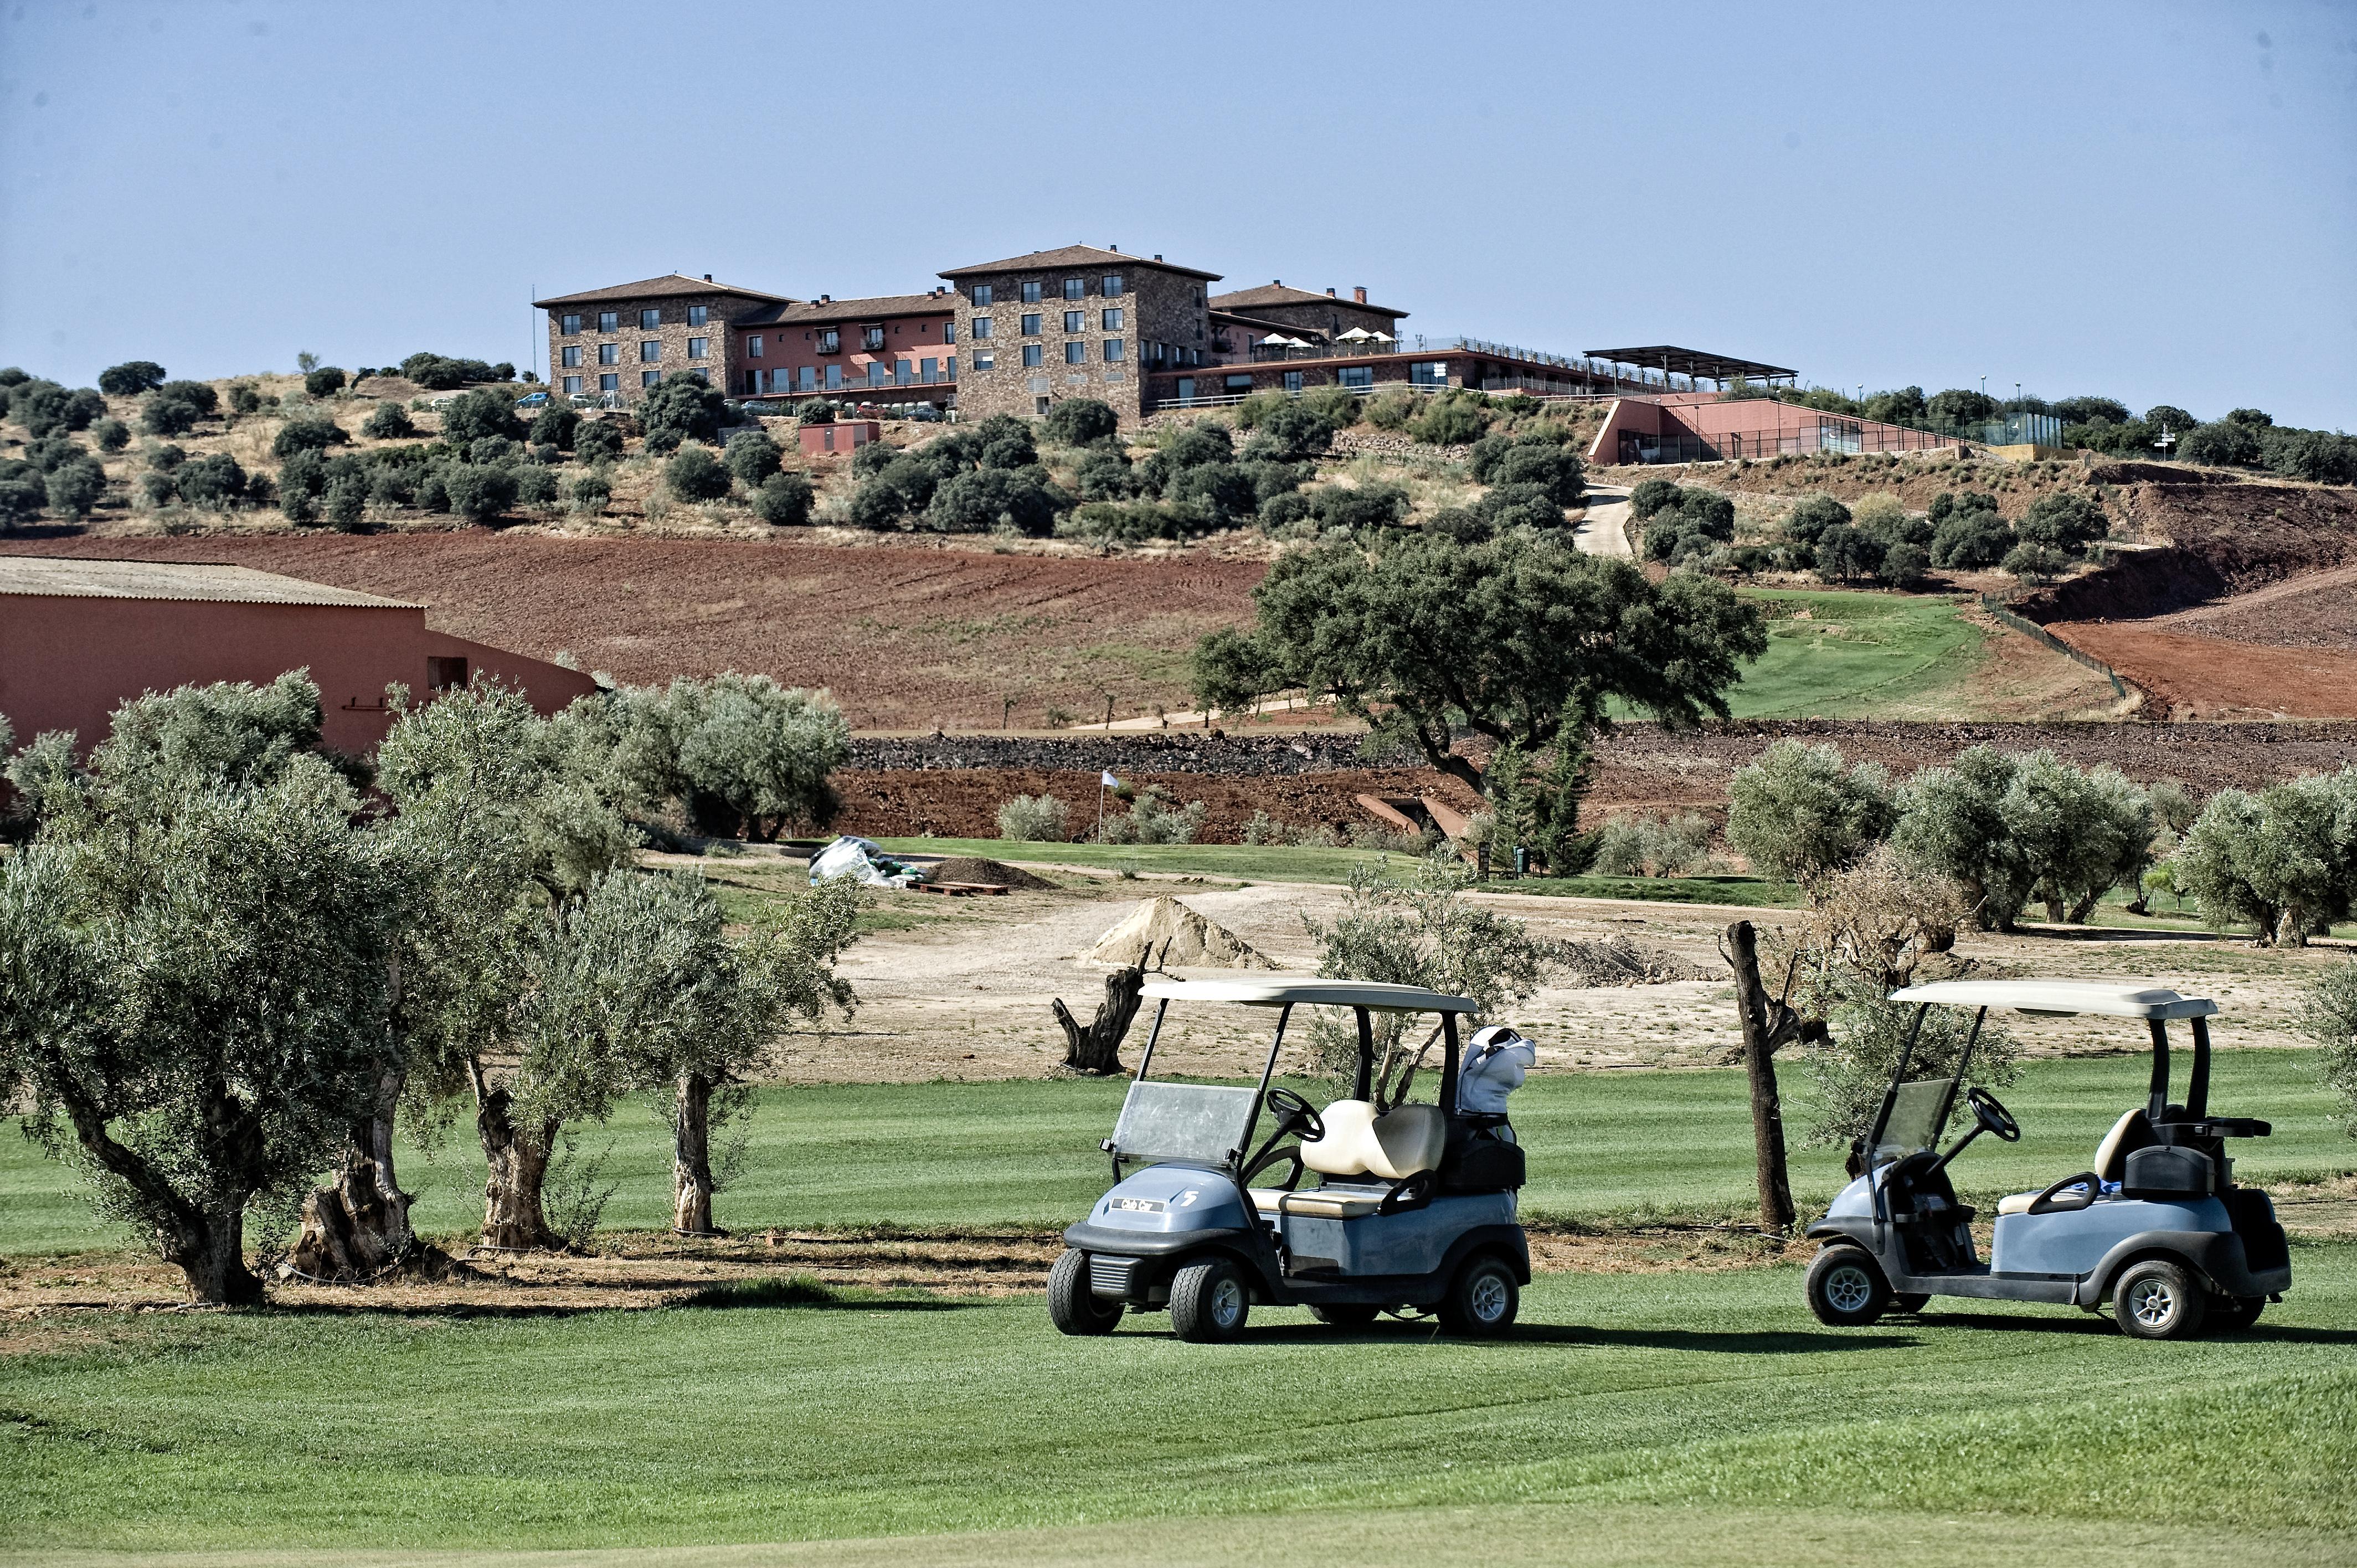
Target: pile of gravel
point(1617, 960)
point(988, 873)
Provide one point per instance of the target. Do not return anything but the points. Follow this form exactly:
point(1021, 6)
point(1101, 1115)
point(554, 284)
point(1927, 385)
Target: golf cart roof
point(2061, 998)
point(1311, 993)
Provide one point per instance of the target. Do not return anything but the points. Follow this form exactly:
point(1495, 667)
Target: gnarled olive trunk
point(359, 1223)
point(692, 1156)
point(1096, 1048)
point(516, 1162)
point(210, 1250)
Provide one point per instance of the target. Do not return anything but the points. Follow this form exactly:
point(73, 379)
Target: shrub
point(1336, 404)
point(2066, 522)
point(1359, 509)
point(1969, 537)
point(1799, 815)
point(1035, 818)
point(439, 373)
point(594, 491)
point(696, 475)
point(391, 421)
point(1122, 522)
point(22, 497)
point(2224, 442)
point(213, 481)
point(164, 415)
point(1461, 525)
point(76, 488)
point(1645, 845)
point(1221, 494)
point(1543, 462)
point(2035, 562)
point(50, 453)
point(1080, 421)
point(1906, 565)
point(346, 503)
point(307, 436)
point(324, 382)
point(752, 457)
point(876, 505)
point(111, 434)
point(492, 449)
point(992, 499)
point(534, 485)
point(1687, 523)
point(1806, 524)
point(597, 441)
point(2328, 1015)
point(472, 415)
point(783, 500)
point(682, 407)
point(1844, 552)
point(1105, 476)
point(1886, 518)
point(556, 425)
point(1651, 496)
point(1392, 408)
point(1291, 432)
point(1005, 442)
point(131, 378)
point(817, 413)
point(1151, 819)
point(1450, 419)
point(478, 493)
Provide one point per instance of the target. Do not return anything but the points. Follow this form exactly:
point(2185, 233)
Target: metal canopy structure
point(1695, 363)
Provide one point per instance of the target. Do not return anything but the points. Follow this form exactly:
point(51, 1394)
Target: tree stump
point(1096, 1048)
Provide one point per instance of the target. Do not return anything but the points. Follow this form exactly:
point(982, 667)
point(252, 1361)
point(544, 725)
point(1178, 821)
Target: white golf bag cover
point(1494, 1067)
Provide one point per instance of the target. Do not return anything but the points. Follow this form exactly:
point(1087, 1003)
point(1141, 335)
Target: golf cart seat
point(1317, 1203)
point(1396, 1146)
point(2131, 1131)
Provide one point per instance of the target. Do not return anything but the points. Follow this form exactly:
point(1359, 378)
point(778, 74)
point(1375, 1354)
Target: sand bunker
point(1163, 931)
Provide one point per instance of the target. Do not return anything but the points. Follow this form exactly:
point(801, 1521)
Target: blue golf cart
point(1412, 1209)
point(2155, 1225)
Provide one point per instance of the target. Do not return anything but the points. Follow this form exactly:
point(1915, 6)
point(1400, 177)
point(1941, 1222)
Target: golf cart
point(2155, 1225)
point(1413, 1209)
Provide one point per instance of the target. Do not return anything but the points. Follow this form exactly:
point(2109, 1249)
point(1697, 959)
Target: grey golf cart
point(2156, 1224)
point(1412, 1211)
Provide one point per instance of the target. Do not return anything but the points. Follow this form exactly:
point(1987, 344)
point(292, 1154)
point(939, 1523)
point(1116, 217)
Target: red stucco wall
point(66, 662)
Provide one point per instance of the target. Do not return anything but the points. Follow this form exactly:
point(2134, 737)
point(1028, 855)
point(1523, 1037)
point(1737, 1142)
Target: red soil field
point(911, 635)
point(2191, 676)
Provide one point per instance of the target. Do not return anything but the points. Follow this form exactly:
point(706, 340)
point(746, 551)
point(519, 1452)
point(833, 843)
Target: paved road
point(1604, 530)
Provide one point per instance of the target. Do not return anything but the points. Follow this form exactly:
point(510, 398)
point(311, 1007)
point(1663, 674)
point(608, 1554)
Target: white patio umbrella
point(1381, 338)
point(1355, 335)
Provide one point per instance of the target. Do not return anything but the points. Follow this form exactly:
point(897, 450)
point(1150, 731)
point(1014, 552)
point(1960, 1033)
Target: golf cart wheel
point(1910, 1300)
point(1847, 1289)
point(1482, 1300)
point(2235, 1312)
point(1345, 1315)
point(2158, 1300)
point(1209, 1302)
point(1072, 1306)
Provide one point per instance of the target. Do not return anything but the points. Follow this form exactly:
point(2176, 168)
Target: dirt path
point(1604, 530)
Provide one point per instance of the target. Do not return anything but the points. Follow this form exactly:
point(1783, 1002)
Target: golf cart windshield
point(1196, 1121)
point(1918, 1116)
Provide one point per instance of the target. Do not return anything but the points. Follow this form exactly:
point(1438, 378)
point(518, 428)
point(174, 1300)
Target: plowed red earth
point(964, 803)
point(2189, 676)
point(912, 636)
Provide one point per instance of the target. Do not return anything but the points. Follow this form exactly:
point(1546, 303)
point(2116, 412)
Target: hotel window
point(1429, 373)
point(1357, 376)
point(651, 350)
point(830, 341)
point(609, 384)
point(1030, 327)
point(980, 328)
point(949, 367)
point(650, 377)
point(949, 331)
point(876, 374)
point(984, 358)
point(572, 384)
point(904, 371)
point(699, 348)
point(1030, 354)
point(1113, 285)
point(572, 355)
point(1076, 321)
point(931, 371)
point(649, 319)
point(698, 315)
point(1293, 381)
point(609, 353)
point(609, 321)
point(872, 338)
point(1031, 291)
point(568, 324)
point(1110, 320)
point(833, 375)
point(982, 293)
point(1074, 288)
point(753, 347)
point(1112, 349)
point(807, 377)
point(1076, 353)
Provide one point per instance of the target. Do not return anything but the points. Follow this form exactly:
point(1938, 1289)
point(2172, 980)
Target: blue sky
point(2156, 202)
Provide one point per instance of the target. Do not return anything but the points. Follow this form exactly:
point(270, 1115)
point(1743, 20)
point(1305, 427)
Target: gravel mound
point(988, 873)
point(1617, 960)
point(1165, 931)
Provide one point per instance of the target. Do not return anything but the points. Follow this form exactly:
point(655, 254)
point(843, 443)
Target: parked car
point(533, 400)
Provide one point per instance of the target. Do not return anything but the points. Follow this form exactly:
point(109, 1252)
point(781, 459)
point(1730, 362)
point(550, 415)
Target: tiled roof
point(802, 312)
point(1261, 324)
point(664, 288)
point(1074, 256)
point(60, 576)
point(1248, 299)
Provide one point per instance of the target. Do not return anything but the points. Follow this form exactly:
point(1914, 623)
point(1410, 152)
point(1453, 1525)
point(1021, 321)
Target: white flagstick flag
point(1105, 780)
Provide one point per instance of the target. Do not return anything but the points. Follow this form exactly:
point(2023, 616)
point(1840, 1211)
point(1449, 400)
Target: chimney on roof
point(1276, 283)
point(826, 299)
point(1158, 255)
point(1329, 292)
point(707, 277)
point(1360, 294)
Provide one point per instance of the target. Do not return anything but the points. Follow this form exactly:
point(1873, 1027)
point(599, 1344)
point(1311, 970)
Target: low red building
point(77, 637)
point(843, 436)
point(898, 349)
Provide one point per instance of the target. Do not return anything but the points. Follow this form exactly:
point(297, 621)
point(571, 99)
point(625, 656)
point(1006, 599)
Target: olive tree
point(195, 1004)
point(2328, 1015)
point(740, 753)
point(2284, 860)
point(131, 378)
point(1798, 813)
point(2014, 827)
point(1519, 640)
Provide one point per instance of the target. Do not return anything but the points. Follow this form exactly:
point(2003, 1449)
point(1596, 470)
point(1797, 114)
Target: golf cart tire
point(1346, 1314)
point(1072, 1306)
point(2159, 1299)
point(1482, 1299)
point(2235, 1313)
point(1846, 1288)
point(1208, 1301)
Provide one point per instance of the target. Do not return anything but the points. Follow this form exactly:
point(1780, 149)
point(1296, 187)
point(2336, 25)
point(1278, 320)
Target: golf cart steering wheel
point(1994, 1117)
point(1293, 1115)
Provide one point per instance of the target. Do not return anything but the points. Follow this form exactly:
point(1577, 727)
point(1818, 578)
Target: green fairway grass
point(1605, 1147)
point(1662, 1401)
point(1854, 653)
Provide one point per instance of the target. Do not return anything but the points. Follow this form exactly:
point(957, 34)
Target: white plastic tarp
point(863, 860)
